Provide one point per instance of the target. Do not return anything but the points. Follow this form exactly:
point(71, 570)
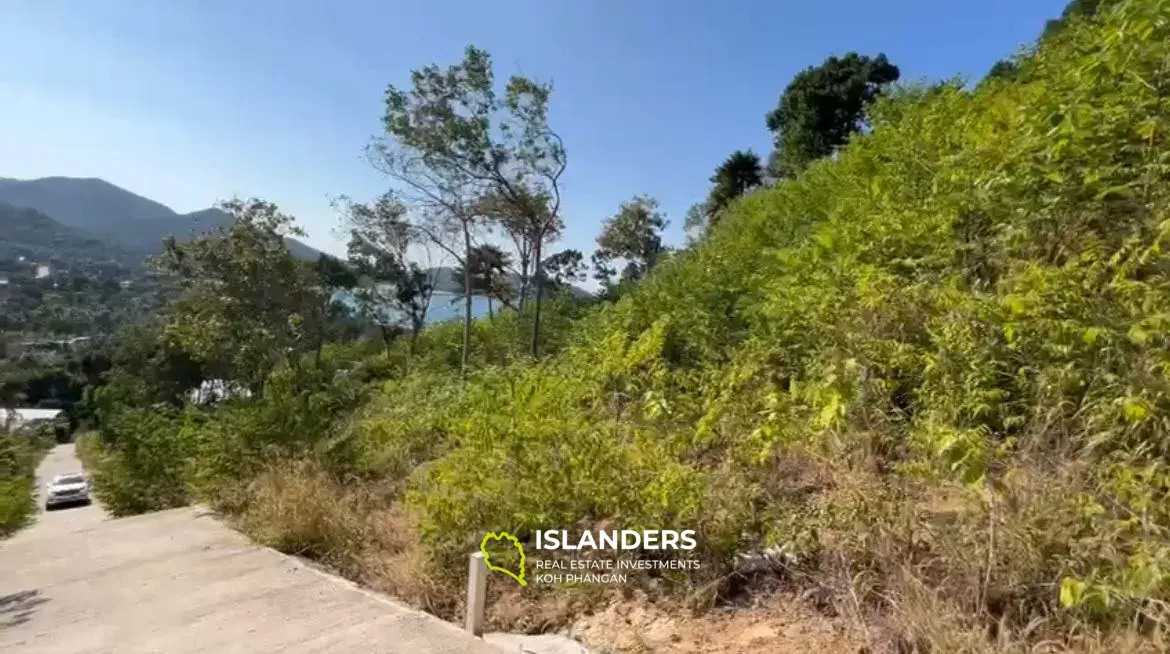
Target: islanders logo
point(487, 557)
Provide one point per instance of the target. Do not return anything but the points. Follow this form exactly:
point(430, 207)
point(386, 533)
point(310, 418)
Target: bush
point(296, 506)
point(20, 453)
point(18, 504)
point(141, 461)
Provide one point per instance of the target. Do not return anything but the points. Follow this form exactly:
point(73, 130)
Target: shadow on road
point(18, 608)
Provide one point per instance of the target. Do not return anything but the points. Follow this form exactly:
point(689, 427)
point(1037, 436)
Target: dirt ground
point(778, 626)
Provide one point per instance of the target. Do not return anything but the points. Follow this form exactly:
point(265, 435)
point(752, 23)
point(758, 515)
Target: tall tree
point(823, 105)
point(393, 292)
point(531, 224)
point(335, 276)
point(333, 273)
point(564, 268)
point(634, 236)
point(695, 222)
point(451, 141)
point(246, 302)
point(739, 173)
point(1004, 69)
point(489, 274)
point(535, 216)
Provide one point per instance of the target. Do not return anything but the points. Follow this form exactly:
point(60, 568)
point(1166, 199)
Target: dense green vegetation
point(931, 369)
point(19, 455)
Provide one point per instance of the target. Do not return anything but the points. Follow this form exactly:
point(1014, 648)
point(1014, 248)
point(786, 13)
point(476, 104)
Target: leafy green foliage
point(464, 153)
point(390, 288)
point(823, 105)
point(142, 460)
point(488, 268)
point(1076, 9)
point(19, 455)
point(738, 174)
point(1004, 69)
point(634, 236)
point(565, 268)
point(247, 303)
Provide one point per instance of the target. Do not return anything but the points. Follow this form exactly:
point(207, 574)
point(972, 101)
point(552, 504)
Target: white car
point(72, 488)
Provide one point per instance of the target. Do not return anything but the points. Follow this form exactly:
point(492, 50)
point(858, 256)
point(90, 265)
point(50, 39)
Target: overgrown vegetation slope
point(932, 370)
point(20, 453)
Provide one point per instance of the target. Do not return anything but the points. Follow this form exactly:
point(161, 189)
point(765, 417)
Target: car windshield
point(70, 479)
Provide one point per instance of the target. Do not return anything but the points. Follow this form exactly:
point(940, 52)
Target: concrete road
point(178, 581)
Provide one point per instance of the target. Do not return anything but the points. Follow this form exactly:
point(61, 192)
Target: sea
point(444, 306)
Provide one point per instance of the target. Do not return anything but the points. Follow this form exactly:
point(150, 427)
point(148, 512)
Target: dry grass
point(298, 508)
point(393, 562)
point(933, 570)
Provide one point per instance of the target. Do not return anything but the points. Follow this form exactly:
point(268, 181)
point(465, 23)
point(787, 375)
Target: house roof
point(22, 415)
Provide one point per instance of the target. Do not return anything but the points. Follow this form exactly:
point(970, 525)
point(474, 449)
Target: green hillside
point(37, 237)
point(959, 322)
point(932, 371)
point(125, 220)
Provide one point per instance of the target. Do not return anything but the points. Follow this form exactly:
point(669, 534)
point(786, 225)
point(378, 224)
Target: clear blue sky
point(189, 102)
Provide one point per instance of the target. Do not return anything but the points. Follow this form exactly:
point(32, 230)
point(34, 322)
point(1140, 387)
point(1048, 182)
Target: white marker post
point(476, 592)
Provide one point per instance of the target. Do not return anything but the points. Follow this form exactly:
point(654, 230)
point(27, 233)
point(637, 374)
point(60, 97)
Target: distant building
point(13, 419)
point(51, 345)
point(43, 271)
point(218, 390)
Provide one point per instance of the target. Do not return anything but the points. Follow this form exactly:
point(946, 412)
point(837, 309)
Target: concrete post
point(476, 593)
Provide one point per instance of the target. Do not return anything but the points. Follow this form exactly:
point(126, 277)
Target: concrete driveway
point(178, 581)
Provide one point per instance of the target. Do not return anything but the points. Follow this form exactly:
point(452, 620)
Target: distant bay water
point(444, 306)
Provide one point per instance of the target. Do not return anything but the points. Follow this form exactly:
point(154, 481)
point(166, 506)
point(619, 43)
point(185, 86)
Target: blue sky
point(191, 102)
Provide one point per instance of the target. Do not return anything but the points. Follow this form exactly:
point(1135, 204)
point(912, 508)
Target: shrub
point(141, 462)
point(20, 453)
point(296, 506)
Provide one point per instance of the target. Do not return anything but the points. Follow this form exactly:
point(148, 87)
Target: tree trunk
point(385, 337)
point(523, 278)
point(491, 316)
point(466, 299)
point(538, 277)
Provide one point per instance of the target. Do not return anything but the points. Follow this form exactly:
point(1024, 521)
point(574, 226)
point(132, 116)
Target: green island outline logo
point(487, 558)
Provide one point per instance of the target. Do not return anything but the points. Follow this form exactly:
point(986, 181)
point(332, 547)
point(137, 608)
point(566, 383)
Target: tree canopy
point(632, 236)
point(456, 147)
point(738, 174)
point(247, 303)
point(823, 105)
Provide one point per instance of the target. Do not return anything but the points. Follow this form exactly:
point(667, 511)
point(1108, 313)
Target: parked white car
point(72, 488)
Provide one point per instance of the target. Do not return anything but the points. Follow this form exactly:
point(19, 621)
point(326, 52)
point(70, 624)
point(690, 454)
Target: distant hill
point(29, 233)
point(106, 211)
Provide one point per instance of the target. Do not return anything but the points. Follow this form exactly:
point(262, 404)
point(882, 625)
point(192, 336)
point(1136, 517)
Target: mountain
point(109, 212)
point(31, 234)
